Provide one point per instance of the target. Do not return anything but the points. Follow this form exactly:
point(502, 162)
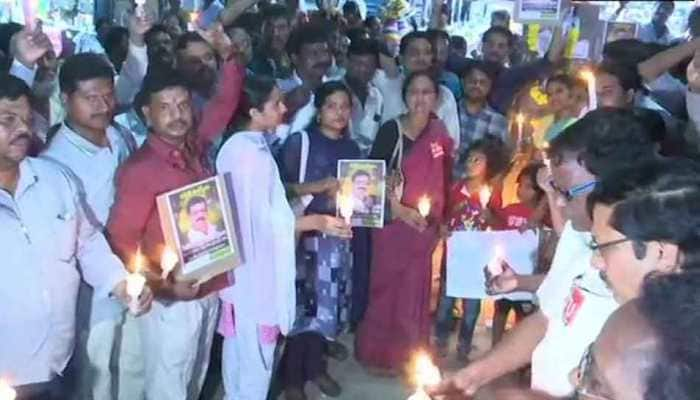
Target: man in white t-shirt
point(574, 300)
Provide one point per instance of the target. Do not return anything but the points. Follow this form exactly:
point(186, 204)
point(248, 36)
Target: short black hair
point(530, 172)
point(410, 37)
point(327, 89)
point(364, 47)
point(189, 37)
point(496, 152)
point(12, 88)
point(360, 172)
point(489, 68)
point(310, 33)
point(155, 30)
point(499, 30)
point(83, 67)
point(195, 200)
point(458, 41)
point(658, 200)
point(351, 7)
point(435, 34)
point(275, 11)
point(158, 79)
point(604, 139)
point(565, 79)
point(671, 305)
point(115, 37)
point(627, 75)
point(413, 76)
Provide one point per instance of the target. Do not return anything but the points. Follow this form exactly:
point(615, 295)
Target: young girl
point(261, 304)
point(486, 159)
point(323, 281)
point(516, 217)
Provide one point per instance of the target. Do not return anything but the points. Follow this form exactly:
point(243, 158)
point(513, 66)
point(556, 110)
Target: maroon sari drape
point(397, 321)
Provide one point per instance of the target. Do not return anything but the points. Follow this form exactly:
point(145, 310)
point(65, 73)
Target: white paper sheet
point(468, 252)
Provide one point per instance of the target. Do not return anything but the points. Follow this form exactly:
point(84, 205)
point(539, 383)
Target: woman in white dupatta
point(261, 304)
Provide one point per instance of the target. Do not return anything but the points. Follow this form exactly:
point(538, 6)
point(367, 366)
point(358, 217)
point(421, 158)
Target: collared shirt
point(391, 89)
point(44, 234)
point(576, 303)
point(366, 119)
point(474, 127)
point(156, 168)
point(95, 167)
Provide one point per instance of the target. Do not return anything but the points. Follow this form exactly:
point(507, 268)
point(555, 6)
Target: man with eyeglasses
point(645, 351)
point(574, 300)
point(645, 220)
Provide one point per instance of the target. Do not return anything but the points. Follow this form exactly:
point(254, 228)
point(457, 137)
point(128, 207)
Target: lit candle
point(496, 264)
point(589, 76)
point(139, 7)
point(6, 391)
point(424, 206)
point(427, 374)
point(192, 25)
point(520, 120)
point(346, 207)
point(168, 261)
point(135, 282)
point(484, 196)
point(545, 157)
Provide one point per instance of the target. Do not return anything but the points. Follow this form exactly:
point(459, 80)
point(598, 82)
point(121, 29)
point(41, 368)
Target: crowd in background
point(272, 98)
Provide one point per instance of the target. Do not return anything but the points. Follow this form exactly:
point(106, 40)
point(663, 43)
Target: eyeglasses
point(11, 121)
point(578, 190)
point(595, 246)
point(583, 377)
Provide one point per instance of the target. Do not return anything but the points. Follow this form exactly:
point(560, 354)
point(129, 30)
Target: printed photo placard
point(363, 185)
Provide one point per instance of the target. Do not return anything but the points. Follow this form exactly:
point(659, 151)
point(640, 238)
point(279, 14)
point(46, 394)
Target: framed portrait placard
point(364, 183)
point(619, 30)
point(198, 224)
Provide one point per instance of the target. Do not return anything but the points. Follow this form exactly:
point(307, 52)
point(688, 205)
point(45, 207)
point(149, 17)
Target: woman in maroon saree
point(397, 321)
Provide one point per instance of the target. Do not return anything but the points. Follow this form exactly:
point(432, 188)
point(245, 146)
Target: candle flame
point(6, 391)
point(424, 206)
point(520, 118)
point(495, 265)
point(168, 260)
point(138, 261)
point(194, 16)
point(346, 206)
point(427, 374)
point(485, 196)
point(587, 75)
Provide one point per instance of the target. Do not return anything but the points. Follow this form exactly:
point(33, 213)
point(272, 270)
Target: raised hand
point(28, 47)
point(693, 73)
point(218, 39)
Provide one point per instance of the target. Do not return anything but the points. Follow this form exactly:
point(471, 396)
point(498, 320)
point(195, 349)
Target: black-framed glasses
point(595, 246)
point(578, 190)
point(584, 378)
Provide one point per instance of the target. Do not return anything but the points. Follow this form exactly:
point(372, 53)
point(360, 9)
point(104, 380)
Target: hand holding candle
point(589, 77)
point(427, 374)
point(424, 206)
point(6, 391)
point(346, 207)
point(168, 262)
point(192, 24)
point(135, 282)
point(495, 266)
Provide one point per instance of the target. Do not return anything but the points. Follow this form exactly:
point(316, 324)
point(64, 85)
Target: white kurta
point(264, 292)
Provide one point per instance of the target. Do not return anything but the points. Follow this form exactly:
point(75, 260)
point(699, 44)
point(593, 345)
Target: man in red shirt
point(176, 337)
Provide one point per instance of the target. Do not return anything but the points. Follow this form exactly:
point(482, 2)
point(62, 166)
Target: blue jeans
point(443, 321)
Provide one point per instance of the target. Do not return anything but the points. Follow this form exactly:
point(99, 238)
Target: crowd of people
point(271, 99)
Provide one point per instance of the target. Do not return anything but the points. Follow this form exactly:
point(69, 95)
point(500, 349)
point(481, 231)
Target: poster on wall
point(538, 11)
point(614, 31)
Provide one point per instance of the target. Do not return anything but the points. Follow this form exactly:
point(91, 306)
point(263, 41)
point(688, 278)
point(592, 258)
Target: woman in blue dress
point(308, 165)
